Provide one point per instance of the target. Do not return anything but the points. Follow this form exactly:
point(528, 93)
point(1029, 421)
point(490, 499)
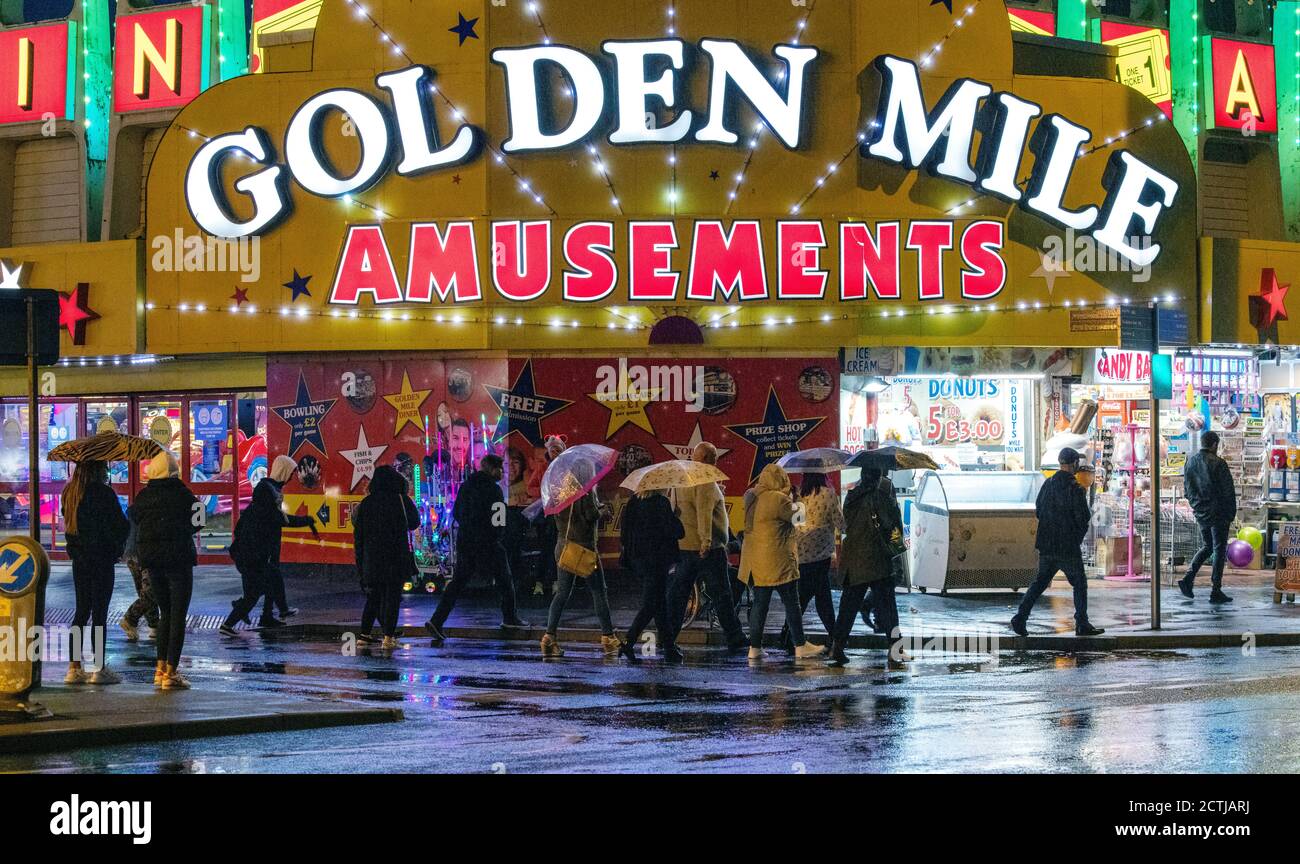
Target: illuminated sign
point(160, 59)
point(1143, 61)
point(1245, 86)
point(645, 78)
point(36, 64)
point(707, 262)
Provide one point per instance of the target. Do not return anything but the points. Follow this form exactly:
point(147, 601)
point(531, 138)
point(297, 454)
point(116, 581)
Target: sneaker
point(514, 622)
point(389, 643)
point(105, 676)
point(1018, 626)
point(368, 638)
point(808, 649)
point(755, 653)
point(610, 645)
point(159, 674)
point(76, 675)
point(270, 623)
point(1217, 596)
point(628, 650)
point(289, 613)
point(550, 647)
point(1185, 586)
point(227, 630)
point(174, 681)
point(435, 631)
point(131, 631)
point(673, 655)
point(1088, 630)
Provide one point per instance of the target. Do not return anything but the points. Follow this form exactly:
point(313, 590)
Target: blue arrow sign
point(17, 570)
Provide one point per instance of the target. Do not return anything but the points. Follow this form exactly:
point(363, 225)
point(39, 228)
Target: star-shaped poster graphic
point(407, 405)
point(75, 312)
point(1269, 306)
point(11, 276)
point(305, 419)
point(464, 29)
point(775, 435)
point(1049, 271)
point(298, 285)
point(364, 458)
point(625, 411)
point(522, 409)
point(685, 451)
point(240, 297)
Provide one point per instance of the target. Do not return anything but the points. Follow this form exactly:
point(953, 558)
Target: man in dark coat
point(649, 534)
point(1207, 483)
point(1063, 518)
point(480, 514)
point(381, 525)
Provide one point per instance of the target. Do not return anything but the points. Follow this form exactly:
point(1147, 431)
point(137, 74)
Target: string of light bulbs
point(498, 156)
point(928, 57)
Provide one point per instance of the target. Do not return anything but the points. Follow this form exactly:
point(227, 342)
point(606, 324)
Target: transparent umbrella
point(574, 473)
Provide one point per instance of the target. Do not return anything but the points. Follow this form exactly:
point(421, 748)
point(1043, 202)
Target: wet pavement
point(482, 706)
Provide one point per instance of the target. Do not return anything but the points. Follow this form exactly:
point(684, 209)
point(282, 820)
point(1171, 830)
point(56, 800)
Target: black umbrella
point(893, 459)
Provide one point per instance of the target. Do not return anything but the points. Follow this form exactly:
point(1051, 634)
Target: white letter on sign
point(306, 157)
point(784, 116)
point(634, 91)
point(203, 185)
point(524, 100)
point(418, 128)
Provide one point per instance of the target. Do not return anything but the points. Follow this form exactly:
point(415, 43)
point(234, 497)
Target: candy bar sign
point(649, 77)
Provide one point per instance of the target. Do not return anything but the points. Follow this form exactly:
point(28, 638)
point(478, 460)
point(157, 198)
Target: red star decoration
point(75, 313)
point(455, 178)
point(1270, 306)
point(240, 297)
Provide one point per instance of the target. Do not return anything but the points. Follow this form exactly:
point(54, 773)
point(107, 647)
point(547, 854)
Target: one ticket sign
point(24, 569)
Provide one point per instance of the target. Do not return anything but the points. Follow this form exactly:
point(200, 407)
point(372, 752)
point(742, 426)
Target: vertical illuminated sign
point(161, 59)
point(36, 72)
point(1244, 86)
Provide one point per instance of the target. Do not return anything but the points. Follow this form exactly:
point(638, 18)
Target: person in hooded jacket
point(381, 525)
point(255, 547)
point(480, 514)
point(96, 531)
point(167, 516)
point(871, 517)
point(1063, 519)
point(649, 538)
point(580, 523)
point(145, 604)
point(769, 560)
point(1208, 485)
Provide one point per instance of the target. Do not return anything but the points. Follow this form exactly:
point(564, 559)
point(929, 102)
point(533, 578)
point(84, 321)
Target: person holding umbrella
point(167, 516)
point(872, 518)
point(649, 538)
point(569, 494)
point(821, 526)
point(769, 560)
point(96, 531)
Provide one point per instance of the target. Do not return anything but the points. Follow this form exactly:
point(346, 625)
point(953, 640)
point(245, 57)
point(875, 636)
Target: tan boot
point(172, 679)
point(610, 645)
point(550, 647)
point(159, 673)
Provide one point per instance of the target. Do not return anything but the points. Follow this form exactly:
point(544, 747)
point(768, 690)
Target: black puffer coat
point(1063, 516)
point(380, 525)
point(101, 527)
point(478, 501)
point(257, 533)
point(1207, 483)
point(166, 515)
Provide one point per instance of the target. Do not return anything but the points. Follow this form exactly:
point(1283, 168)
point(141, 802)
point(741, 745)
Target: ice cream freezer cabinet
point(975, 529)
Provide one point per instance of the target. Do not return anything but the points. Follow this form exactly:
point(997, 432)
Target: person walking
point(703, 553)
point(769, 560)
point(579, 523)
point(821, 526)
point(145, 604)
point(1063, 518)
point(649, 537)
point(255, 548)
point(381, 527)
point(167, 516)
point(1208, 486)
point(480, 514)
point(871, 518)
point(96, 533)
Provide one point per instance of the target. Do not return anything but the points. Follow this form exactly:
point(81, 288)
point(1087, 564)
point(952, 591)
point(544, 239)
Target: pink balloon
point(1240, 553)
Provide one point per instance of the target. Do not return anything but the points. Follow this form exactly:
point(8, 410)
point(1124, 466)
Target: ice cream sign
point(620, 94)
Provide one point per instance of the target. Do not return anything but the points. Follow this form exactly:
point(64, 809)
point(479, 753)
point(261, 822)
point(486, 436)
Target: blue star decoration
point(305, 419)
point(947, 4)
point(522, 409)
point(775, 435)
point(465, 28)
point(298, 285)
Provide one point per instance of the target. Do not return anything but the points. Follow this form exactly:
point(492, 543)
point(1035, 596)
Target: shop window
point(47, 187)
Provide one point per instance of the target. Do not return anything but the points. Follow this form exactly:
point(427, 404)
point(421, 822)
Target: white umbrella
point(673, 474)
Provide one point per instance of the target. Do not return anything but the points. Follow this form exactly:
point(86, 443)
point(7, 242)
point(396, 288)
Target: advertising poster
point(1143, 61)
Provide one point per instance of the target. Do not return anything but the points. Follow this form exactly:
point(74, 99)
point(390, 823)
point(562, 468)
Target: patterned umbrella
point(818, 460)
point(673, 474)
point(893, 459)
point(106, 447)
point(574, 473)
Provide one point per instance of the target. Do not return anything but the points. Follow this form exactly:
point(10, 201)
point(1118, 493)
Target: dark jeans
point(1048, 566)
point(92, 581)
point(815, 584)
point(876, 596)
point(383, 602)
point(1214, 541)
point(653, 573)
point(490, 560)
point(274, 590)
point(255, 577)
point(145, 605)
point(850, 605)
point(690, 566)
point(599, 598)
point(758, 612)
point(173, 588)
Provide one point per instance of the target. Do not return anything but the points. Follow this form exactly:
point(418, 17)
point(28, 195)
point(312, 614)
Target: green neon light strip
point(96, 72)
point(232, 39)
point(206, 65)
point(1286, 51)
point(1184, 32)
point(70, 98)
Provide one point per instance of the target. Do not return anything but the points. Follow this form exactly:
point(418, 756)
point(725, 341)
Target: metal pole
point(1154, 450)
point(33, 429)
